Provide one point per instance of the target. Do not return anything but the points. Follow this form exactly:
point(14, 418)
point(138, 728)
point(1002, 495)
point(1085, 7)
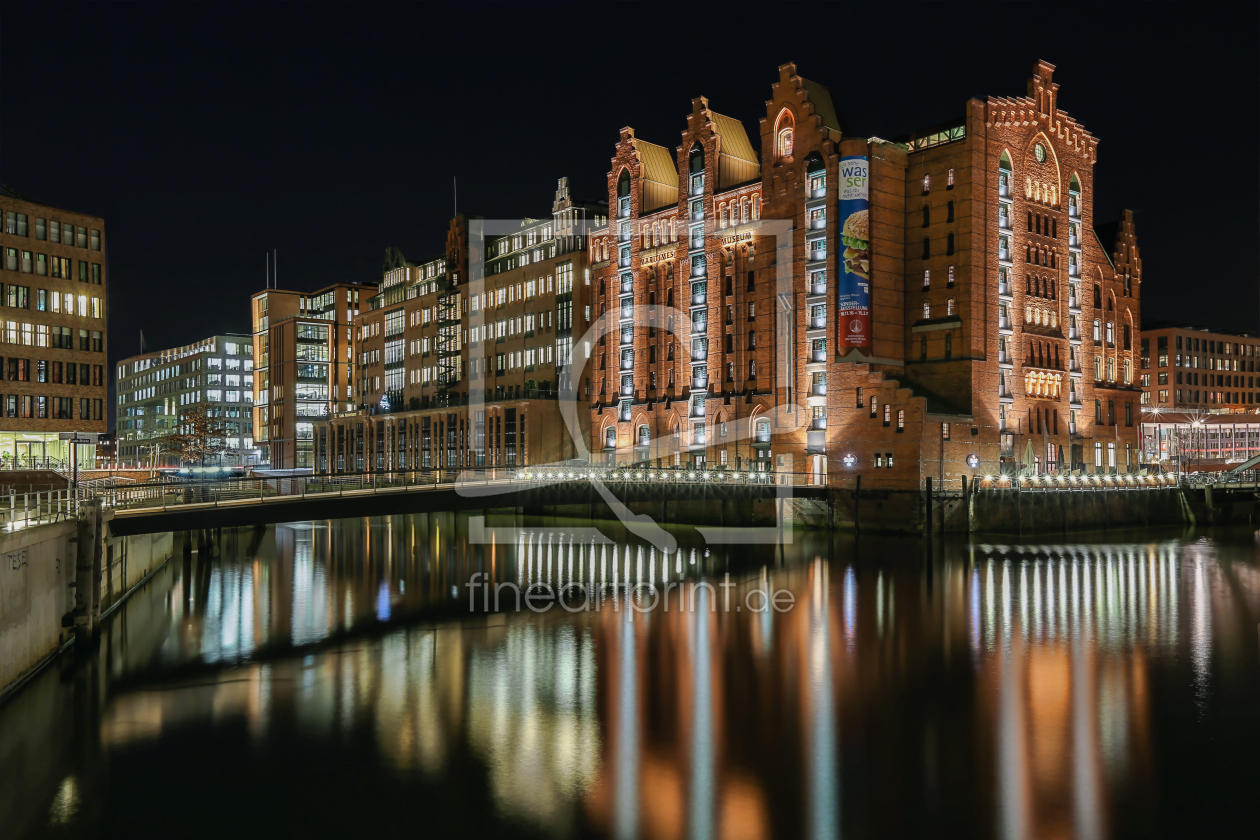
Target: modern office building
point(1187, 368)
point(304, 367)
point(942, 304)
point(53, 330)
point(153, 389)
point(462, 358)
point(1192, 440)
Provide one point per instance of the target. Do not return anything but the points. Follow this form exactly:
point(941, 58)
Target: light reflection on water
point(993, 690)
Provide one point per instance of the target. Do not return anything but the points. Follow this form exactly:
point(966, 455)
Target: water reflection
point(989, 690)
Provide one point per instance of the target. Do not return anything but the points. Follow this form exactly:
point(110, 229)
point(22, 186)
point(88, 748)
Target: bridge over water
point(181, 506)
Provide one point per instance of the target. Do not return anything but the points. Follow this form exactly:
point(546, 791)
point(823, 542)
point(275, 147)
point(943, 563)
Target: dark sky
point(207, 135)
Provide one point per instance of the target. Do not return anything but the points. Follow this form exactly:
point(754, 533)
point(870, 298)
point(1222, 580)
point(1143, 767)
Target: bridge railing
point(163, 495)
point(24, 510)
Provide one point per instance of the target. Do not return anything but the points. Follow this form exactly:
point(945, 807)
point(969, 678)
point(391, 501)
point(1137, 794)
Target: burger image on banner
point(854, 293)
point(856, 238)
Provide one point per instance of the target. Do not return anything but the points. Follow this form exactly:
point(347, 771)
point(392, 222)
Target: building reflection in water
point(1006, 688)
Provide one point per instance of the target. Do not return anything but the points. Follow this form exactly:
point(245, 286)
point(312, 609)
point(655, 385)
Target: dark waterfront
point(327, 679)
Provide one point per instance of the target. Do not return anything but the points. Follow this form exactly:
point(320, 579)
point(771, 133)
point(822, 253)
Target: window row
point(19, 297)
point(42, 335)
point(51, 408)
point(51, 230)
point(62, 268)
point(14, 369)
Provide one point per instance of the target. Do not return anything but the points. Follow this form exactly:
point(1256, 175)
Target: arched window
point(623, 184)
point(695, 161)
point(610, 438)
point(756, 207)
point(949, 307)
point(1074, 185)
point(761, 431)
point(783, 134)
point(1005, 162)
point(644, 435)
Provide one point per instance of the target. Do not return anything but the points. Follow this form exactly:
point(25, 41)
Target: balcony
point(697, 269)
point(1004, 222)
point(697, 439)
point(761, 438)
point(700, 383)
point(1004, 289)
point(699, 324)
point(699, 355)
point(697, 215)
point(816, 254)
point(814, 289)
point(818, 224)
point(697, 409)
point(1074, 270)
point(697, 187)
point(623, 416)
point(818, 192)
point(699, 299)
point(1073, 302)
point(816, 356)
point(1074, 209)
point(627, 363)
point(818, 389)
point(818, 424)
point(1074, 366)
point(815, 441)
point(1004, 323)
point(1004, 358)
point(623, 208)
point(817, 322)
point(624, 262)
point(1074, 240)
point(1071, 427)
point(1004, 254)
point(627, 338)
point(1074, 398)
point(1074, 333)
point(627, 389)
point(624, 234)
point(644, 441)
point(1004, 190)
point(627, 285)
point(627, 313)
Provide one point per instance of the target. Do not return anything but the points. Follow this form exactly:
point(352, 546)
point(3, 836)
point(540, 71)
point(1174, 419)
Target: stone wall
point(1012, 512)
point(36, 581)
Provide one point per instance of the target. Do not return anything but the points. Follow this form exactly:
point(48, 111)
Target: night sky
point(207, 135)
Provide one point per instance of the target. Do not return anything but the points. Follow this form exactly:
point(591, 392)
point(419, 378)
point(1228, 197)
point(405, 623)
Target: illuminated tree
point(199, 435)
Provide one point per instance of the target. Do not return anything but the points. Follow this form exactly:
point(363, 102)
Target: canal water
point(342, 679)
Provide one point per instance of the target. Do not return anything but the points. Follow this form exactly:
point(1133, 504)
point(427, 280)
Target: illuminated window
point(949, 182)
point(949, 307)
point(785, 142)
point(901, 420)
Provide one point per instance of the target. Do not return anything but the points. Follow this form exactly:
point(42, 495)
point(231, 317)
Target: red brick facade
point(987, 277)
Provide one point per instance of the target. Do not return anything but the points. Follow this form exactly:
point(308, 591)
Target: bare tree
point(199, 435)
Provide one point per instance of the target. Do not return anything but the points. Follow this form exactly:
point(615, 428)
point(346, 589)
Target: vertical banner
point(854, 289)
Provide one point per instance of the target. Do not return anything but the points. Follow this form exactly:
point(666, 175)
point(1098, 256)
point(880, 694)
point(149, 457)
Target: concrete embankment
point(58, 579)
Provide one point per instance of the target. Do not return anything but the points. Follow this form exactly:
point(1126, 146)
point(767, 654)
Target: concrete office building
point(154, 388)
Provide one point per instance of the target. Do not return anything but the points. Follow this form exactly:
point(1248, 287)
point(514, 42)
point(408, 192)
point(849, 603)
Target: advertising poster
point(854, 290)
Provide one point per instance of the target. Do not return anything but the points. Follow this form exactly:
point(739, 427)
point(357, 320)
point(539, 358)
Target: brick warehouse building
point(52, 330)
point(461, 359)
point(1001, 325)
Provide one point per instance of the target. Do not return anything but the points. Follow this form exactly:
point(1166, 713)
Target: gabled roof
point(734, 139)
point(658, 163)
point(824, 106)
